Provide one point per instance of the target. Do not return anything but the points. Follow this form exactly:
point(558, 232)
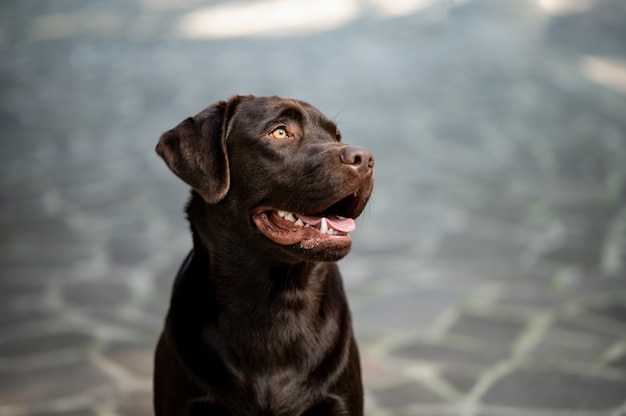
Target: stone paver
point(488, 276)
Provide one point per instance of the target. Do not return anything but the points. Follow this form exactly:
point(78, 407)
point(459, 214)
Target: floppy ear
point(195, 151)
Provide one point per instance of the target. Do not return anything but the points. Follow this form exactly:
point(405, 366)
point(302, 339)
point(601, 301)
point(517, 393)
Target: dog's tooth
point(323, 226)
point(339, 217)
point(331, 232)
point(281, 214)
point(289, 216)
point(300, 223)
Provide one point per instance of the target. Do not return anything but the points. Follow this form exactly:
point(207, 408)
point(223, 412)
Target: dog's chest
point(282, 393)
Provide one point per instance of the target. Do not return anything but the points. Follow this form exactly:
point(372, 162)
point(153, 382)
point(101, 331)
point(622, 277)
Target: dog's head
point(278, 169)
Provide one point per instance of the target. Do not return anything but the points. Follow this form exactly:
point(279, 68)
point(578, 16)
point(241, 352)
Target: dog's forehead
point(268, 109)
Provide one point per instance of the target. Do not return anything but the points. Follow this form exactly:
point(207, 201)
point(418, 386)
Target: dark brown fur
point(257, 327)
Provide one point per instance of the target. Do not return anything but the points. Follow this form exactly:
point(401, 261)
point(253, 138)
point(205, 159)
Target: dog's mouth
point(309, 230)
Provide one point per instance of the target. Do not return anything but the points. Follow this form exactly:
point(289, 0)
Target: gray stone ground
point(488, 274)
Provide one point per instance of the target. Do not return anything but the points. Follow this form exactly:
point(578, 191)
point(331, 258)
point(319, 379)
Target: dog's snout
point(357, 157)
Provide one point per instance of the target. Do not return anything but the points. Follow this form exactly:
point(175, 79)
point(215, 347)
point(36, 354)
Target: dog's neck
point(293, 308)
point(236, 270)
point(263, 300)
point(243, 263)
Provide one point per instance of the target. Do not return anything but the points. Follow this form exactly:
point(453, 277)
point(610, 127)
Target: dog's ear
point(195, 150)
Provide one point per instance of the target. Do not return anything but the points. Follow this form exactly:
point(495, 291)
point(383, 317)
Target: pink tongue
point(343, 225)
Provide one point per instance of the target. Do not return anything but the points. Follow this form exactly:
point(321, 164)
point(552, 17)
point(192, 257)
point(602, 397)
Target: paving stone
point(19, 285)
point(540, 389)
point(79, 412)
point(529, 297)
point(473, 246)
point(589, 353)
point(409, 311)
point(578, 324)
point(570, 340)
point(582, 255)
point(126, 324)
point(594, 32)
point(32, 275)
point(462, 382)
point(135, 359)
point(138, 404)
point(483, 355)
point(474, 268)
point(157, 303)
point(488, 329)
point(49, 252)
point(52, 383)
point(615, 311)
point(598, 285)
point(43, 343)
point(96, 293)
point(618, 362)
point(164, 279)
point(128, 251)
point(405, 395)
point(12, 318)
point(376, 371)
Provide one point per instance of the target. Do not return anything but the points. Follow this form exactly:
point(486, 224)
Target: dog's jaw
point(322, 231)
point(287, 228)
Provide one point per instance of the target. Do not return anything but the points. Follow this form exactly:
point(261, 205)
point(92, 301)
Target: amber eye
point(280, 133)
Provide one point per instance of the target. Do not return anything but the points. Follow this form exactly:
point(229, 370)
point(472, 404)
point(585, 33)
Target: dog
point(258, 322)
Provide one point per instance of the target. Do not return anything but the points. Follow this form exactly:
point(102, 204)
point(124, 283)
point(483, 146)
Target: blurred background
point(488, 275)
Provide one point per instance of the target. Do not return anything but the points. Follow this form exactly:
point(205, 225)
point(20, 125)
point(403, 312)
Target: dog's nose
point(361, 159)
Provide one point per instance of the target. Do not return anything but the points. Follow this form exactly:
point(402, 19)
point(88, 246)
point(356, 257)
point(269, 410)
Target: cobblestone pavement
point(488, 276)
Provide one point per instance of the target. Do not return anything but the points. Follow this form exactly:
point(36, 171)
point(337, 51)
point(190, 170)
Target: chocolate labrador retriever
point(258, 321)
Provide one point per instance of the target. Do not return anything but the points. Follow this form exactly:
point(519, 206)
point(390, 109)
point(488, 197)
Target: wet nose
point(359, 158)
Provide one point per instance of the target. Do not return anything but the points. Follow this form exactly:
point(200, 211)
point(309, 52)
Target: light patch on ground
point(395, 8)
point(269, 17)
point(610, 72)
point(561, 7)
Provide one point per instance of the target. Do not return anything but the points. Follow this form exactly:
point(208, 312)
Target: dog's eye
point(280, 133)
